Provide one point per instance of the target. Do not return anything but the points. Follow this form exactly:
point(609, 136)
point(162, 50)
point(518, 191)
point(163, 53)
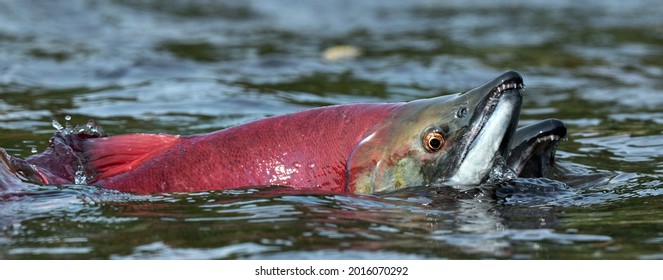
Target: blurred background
point(185, 67)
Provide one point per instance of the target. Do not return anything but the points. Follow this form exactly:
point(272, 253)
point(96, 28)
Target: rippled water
point(187, 67)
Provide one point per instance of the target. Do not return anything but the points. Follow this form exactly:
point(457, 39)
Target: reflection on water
point(78, 222)
point(185, 67)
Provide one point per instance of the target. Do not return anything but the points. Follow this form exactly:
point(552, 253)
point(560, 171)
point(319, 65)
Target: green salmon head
point(455, 140)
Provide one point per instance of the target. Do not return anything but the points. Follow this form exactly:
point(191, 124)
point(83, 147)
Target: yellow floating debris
point(341, 52)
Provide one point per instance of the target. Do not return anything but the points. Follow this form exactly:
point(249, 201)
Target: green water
point(185, 67)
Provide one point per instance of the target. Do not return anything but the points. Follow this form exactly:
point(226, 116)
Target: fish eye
point(433, 141)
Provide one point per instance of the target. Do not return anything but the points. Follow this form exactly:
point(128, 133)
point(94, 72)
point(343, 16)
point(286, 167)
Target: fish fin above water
point(109, 156)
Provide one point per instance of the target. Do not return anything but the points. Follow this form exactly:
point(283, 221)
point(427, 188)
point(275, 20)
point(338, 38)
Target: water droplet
point(33, 150)
point(57, 125)
point(67, 117)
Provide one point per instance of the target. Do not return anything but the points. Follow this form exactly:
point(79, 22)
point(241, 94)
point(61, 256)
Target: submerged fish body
point(454, 140)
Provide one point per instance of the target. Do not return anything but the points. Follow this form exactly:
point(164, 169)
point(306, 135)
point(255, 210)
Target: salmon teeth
point(508, 86)
point(550, 138)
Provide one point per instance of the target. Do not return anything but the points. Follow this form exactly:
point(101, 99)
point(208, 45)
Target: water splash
point(66, 129)
point(90, 128)
point(57, 125)
point(64, 142)
point(501, 172)
point(80, 177)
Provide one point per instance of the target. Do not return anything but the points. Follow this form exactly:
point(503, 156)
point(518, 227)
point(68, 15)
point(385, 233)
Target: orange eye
point(433, 141)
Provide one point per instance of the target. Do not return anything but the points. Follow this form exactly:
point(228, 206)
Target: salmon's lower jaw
point(483, 153)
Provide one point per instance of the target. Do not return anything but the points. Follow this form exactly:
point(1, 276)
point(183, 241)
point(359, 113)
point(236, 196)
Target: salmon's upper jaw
point(484, 145)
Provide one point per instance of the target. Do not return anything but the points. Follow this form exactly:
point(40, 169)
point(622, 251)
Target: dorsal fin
point(109, 156)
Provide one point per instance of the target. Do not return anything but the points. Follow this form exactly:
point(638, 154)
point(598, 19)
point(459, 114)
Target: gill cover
point(392, 156)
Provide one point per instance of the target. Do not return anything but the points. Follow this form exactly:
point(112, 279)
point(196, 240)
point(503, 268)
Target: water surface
point(186, 67)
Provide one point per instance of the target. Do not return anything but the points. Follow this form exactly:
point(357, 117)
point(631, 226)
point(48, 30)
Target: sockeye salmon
point(456, 140)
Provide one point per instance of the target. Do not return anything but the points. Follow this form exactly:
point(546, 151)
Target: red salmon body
point(308, 149)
